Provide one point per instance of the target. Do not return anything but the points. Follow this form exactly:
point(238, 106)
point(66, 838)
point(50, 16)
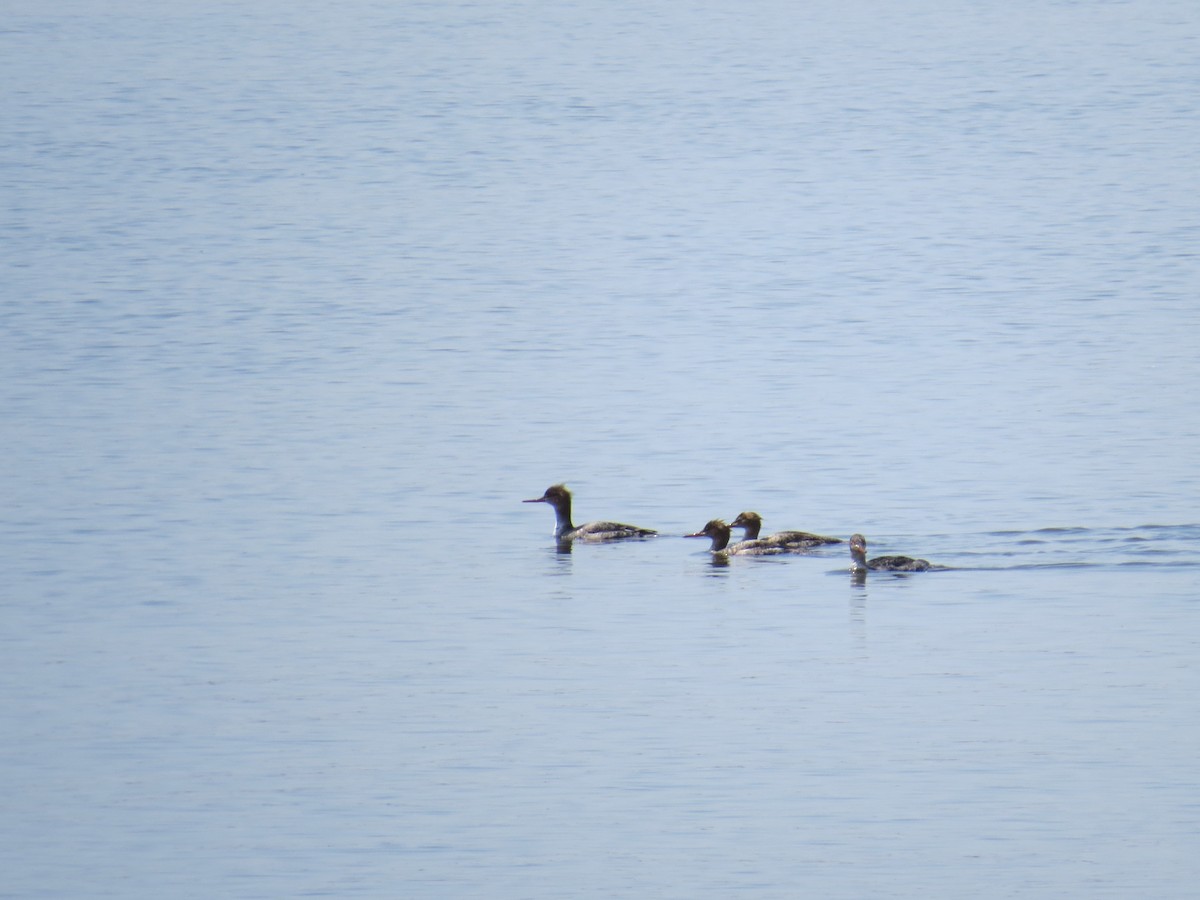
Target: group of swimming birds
point(719, 532)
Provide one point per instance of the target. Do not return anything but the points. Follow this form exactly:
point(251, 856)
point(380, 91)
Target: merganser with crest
point(793, 541)
point(718, 532)
point(559, 497)
point(860, 563)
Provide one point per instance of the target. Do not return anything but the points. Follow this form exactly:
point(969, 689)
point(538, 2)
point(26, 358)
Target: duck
point(718, 532)
point(860, 563)
point(794, 541)
point(559, 498)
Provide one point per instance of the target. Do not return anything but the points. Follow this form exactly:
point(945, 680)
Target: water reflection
point(559, 560)
point(858, 615)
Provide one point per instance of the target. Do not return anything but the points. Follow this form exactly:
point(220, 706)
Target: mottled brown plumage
point(860, 563)
point(791, 541)
point(718, 532)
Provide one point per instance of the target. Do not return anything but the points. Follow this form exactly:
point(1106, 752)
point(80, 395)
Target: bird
point(793, 541)
point(860, 563)
point(718, 532)
point(559, 498)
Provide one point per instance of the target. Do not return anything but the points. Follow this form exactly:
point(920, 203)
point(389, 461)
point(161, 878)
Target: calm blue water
point(300, 301)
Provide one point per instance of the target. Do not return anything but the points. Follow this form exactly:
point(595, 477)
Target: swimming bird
point(794, 541)
point(559, 497)
point(858, 555)
point(718, 532)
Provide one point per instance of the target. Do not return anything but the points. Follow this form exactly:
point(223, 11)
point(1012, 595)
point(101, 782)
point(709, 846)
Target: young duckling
point(718, 532)
point(794, 541)
point(859, 562)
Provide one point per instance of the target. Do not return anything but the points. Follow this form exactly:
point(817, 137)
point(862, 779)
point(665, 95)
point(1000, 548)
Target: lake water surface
point(300, 301)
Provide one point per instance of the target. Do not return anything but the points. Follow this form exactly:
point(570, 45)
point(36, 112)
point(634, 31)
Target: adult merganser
point(718, 532)
point(858, 555)
point(794, 541)
point(559, 497)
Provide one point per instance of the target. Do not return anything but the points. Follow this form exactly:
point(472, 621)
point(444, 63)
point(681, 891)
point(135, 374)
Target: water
point(300, 302)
